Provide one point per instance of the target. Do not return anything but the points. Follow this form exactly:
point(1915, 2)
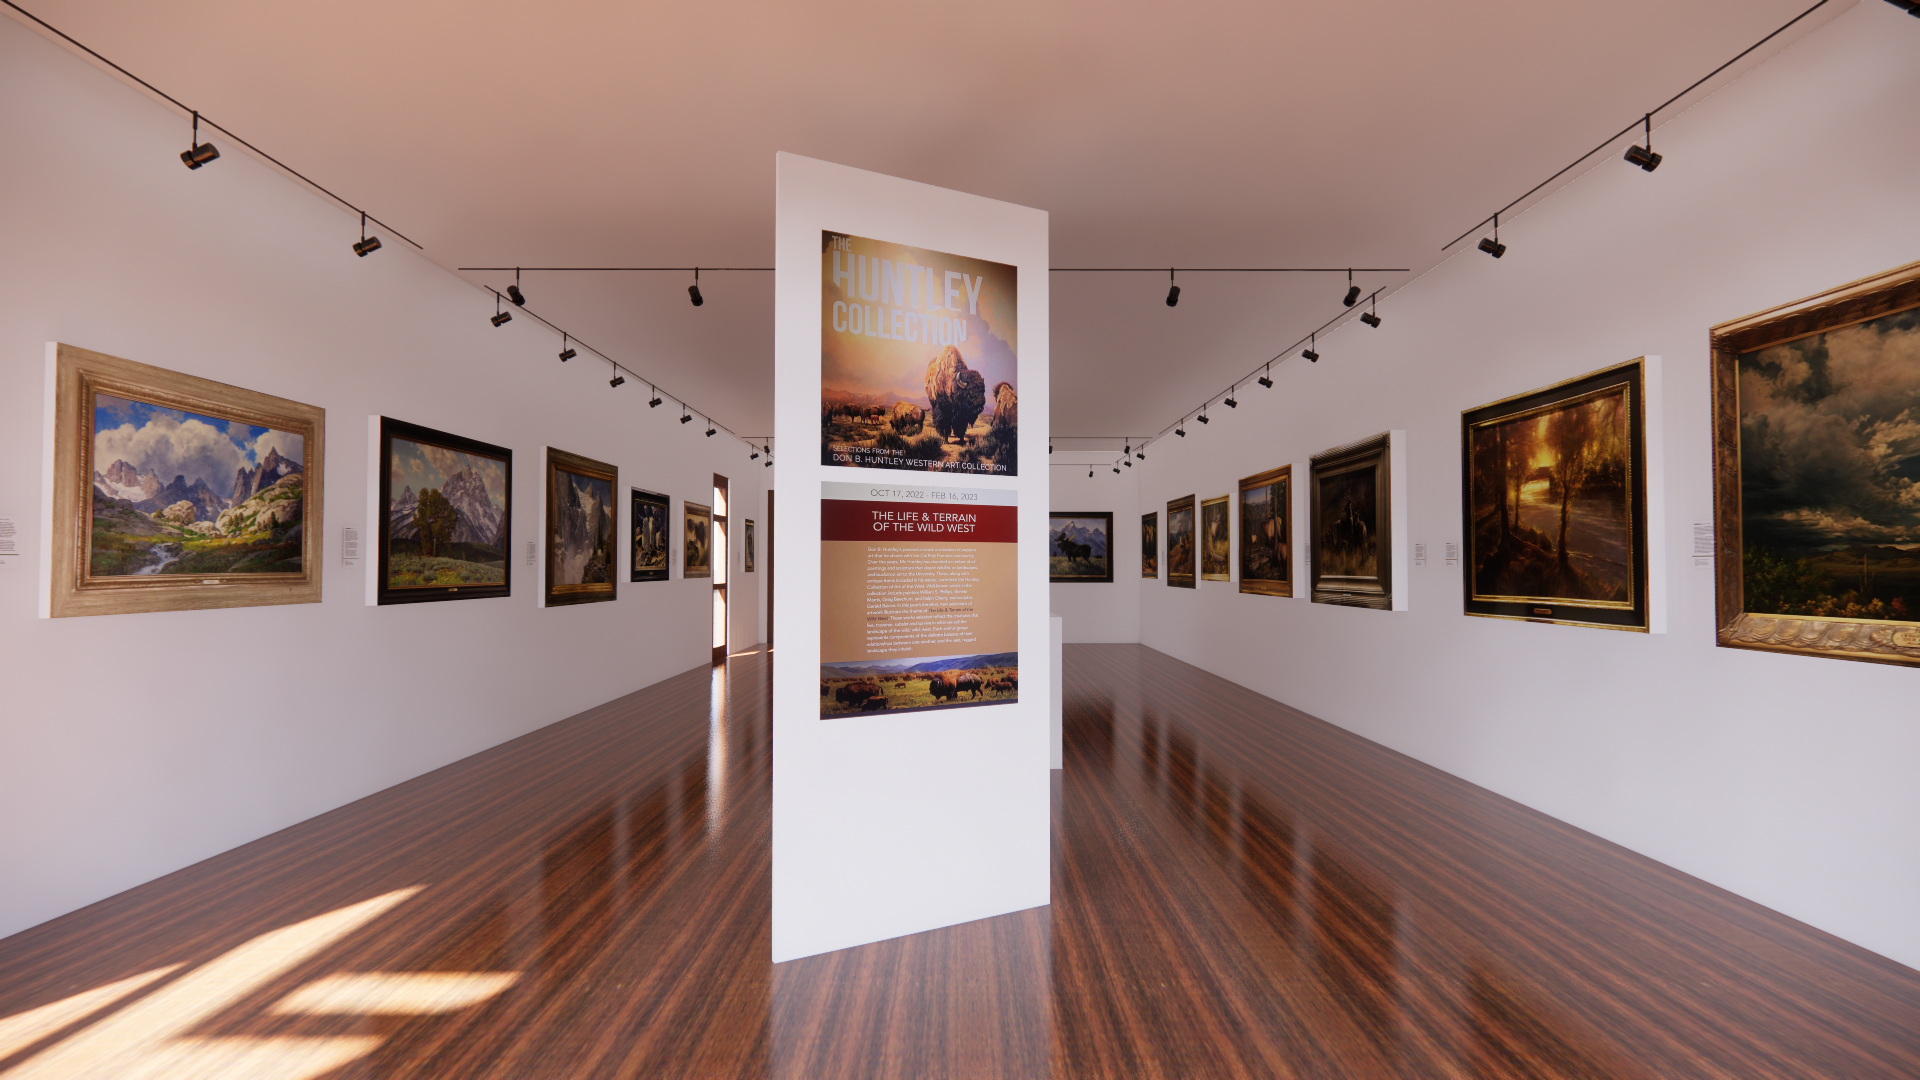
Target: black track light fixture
point(1089, 472)
point(655, 403)
point(1127, 463)
point(566, 350)
point(513, 291)
point(1493, 246)
point(197, 153)
point(755, 456)
point(1372, 315)
point(685, 416)
point(1180, 431)
point(1228, 401)
point(1911, 7)
point(693, 290)
point(1141, 454)
point(1312, 357)
point(768, 464)
point(1267, 379)
point(500, 318)
point(1644, 156)
point(1116, 470)
point(1049, 448)
point(617, 378)
point(366, 245)
point(711, 429)
point(1173, 292)
point(1353, 291)
point(767, 450)
point(1203, 418)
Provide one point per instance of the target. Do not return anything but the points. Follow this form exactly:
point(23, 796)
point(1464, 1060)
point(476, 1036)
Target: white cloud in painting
point(171, 446)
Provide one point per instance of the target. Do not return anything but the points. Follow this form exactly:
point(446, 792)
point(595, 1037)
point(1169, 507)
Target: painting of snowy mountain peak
point(178, 492)
point(581, 519)
point(448, 510)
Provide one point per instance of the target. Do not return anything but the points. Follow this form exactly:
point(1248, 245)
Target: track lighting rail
point(201, 118)
point(1646, 119)
point(1053, 269)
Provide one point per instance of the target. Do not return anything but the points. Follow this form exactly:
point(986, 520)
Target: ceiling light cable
point(1616, 136)
point(178, 104)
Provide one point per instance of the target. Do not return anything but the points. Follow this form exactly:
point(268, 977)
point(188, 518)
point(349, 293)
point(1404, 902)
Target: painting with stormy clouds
point(1830, 472)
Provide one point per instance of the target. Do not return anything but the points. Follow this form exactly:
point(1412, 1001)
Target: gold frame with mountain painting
point(1816, 541)
point(577, 575)
point(135, 543)
point(447, 535)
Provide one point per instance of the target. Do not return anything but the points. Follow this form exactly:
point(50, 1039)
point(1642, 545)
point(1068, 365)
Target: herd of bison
point(917, 690)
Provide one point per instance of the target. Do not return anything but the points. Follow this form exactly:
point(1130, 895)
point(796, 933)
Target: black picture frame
point(1358, 478)
point(385, 591)
point(1064, 569)
point(1499, 556)
point(649, 561)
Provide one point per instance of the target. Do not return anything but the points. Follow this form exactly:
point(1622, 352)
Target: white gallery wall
point(1786, 779)
point(134, 745)
point(1099, 611)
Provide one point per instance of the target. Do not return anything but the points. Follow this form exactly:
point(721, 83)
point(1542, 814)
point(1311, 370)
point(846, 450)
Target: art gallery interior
point(1319, 821)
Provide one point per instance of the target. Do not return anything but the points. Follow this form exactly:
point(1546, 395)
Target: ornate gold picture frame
point(1817, 543)
point(244, 530)
point(1266, 532)
point(1216, 539)
point(1349, 496)
point(1182, 539)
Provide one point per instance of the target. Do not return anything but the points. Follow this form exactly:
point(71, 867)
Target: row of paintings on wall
point(1816, 485)
point(150, 521)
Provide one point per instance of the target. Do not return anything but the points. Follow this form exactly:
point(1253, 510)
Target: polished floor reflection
point(1239, 890)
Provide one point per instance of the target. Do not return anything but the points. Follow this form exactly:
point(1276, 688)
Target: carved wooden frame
point(78, 374)
point(1375, 591)
point(1874, 641)
point(559, 461)
point(1176, 576)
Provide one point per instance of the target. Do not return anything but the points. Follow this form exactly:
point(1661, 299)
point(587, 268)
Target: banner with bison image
point(918, 599)
point(918, 364)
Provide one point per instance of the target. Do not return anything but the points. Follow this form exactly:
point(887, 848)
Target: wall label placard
point(9, 541)
point(1419, 554)
point(349, 546)
point(919, 598)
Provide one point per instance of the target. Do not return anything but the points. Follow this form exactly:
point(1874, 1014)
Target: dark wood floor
point(1239, 890)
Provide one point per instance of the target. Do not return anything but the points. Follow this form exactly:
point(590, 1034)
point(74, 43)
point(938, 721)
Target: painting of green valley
point(182, 493)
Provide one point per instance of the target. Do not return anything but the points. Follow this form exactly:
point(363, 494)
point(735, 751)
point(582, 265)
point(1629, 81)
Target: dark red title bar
point(843, 519)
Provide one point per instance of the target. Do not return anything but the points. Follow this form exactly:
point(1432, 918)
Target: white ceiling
point(1206, 133)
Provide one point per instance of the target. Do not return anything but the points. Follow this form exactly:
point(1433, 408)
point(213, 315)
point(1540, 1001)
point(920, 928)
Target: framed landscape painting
point(746, 552)
point(1180, 543)
point(1554, 489)
point(1150, 544)
point(1348, 495)
point(174, 493)
point(1816, 437)
point(696, 553)
point(651, 526)
point(1266, 533)
point(1079, 546)
point(580, 522)
point(1216, 539)
point(446, 509)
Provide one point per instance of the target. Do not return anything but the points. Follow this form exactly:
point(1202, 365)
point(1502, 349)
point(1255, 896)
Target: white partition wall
point(890, 823)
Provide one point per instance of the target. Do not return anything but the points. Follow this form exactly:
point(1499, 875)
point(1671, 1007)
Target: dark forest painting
point(1555, 501)
point(1266, 533)
point(1351, 524)
point(1150, 544)
point(1180, 543)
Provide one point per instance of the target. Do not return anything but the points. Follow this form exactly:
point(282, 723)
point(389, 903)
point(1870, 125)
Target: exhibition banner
point(918, 363)
point(919, 598)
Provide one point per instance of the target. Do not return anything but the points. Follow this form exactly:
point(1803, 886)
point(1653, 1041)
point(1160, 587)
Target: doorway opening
point(720, 560)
